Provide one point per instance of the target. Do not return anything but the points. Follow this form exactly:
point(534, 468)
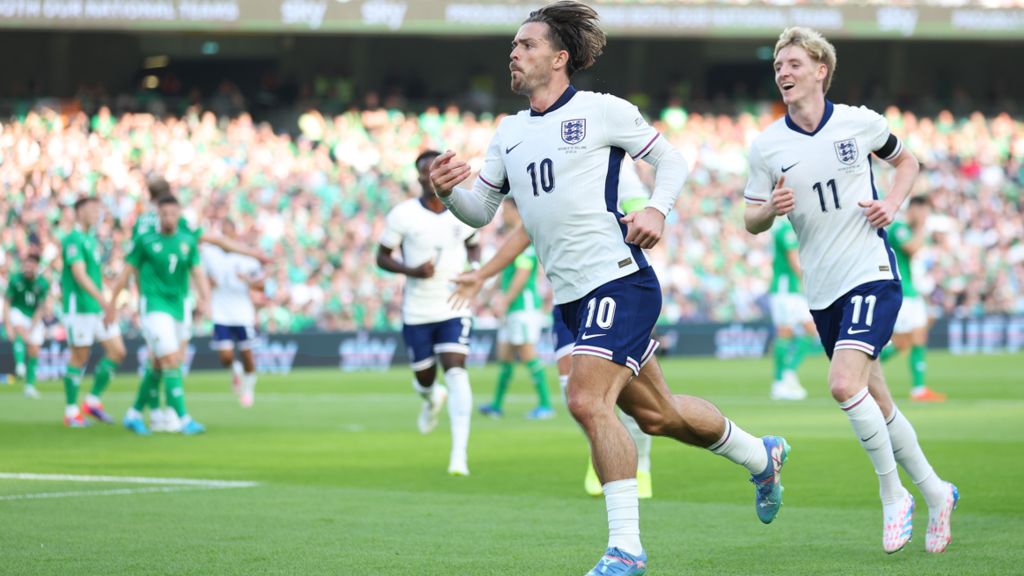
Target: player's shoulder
point(774, 134)
point(849, 113)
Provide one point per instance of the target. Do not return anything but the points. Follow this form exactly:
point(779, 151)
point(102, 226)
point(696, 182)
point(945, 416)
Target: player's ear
point(561, 59)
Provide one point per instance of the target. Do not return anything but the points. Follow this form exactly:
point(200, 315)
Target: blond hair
point(819, 49)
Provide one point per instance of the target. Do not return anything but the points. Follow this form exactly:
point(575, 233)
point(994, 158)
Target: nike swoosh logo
point(852, 331)
point(589, 336)
point(787, 168)
point(869, 437)
point(507, 150)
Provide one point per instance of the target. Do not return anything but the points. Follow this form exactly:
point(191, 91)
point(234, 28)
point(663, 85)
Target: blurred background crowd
point(313, 196)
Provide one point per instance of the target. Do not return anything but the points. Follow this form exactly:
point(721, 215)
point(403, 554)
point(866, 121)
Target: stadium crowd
point(314, 200)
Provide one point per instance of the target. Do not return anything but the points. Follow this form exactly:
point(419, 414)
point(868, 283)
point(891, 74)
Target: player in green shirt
point(911, 330)
point(28, 296)
point(519, 303)
point(88, 316)
point(789, 312)
point(165, 420)
point(164, 262)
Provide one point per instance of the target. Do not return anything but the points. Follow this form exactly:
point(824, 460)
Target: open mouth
point(787, 86)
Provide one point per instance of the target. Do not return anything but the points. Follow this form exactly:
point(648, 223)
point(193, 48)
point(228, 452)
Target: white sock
point(133, 413)
point(563, 383)
point(741, 448)
point(236, 368)
point(642, 441)
point(623, 505)
point(249, 383)
point(869, 426)
point(460, 408)
point(92, 400)
point(71, 411)
point(910, 456)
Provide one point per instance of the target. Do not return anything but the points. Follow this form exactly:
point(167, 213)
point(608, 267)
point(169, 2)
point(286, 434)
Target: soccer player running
point(164, 262)
point(27, 298)
point(789, 312)
point(88, 316)
point(435, 247)
point(632, 198)
point(233, 278)
point(814, 166)
point(560, 161)
point(519, 304)
point(911, 330)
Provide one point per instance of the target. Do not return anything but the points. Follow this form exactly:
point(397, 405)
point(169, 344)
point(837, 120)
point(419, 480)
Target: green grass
point(347, 486)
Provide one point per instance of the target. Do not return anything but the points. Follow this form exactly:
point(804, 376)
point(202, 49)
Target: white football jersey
point(829, 171)
point(424, 235)
point(230, 301)
point(562, 167)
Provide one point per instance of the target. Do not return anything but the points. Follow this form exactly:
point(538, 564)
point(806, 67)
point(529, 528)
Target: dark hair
point(425, 155)
point(84, 200)
point(920, 201)
point(167, 199)
point(573, 27)
point(32, 256)
point(158, 188)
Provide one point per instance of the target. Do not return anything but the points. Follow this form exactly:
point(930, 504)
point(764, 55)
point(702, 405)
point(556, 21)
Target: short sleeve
point(493, 174)
point(44, 285)
point(900, 235)
point(394, 231)
point(134, 256)
point(72, 251)
point(627, 128)
point(759, 179)
point(879, 138)
point(193, 252)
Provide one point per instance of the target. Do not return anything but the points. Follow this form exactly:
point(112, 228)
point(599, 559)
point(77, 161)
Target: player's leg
point(80, 338)
point(34, 340)
point(245, 338)
point(941, 496)
point(854, 329)
point(419, 341)
point(506, 367)
point(113, 355)
point(224, 346)
point(18, 350)
point(697, 422)
point(919, 390)
point(527, 334)
point(645, 488)
point(902, 339)
point(452, 345)
point(172, 361)
point(155, 332)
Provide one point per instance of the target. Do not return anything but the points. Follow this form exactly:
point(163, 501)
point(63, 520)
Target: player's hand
point(878, 212)
point(109, 315)
point(782, 200)
point(203, 309)
point(644, 228)
point(500, 306)
point(446, 172)
point(425, 270)
point(467, 286)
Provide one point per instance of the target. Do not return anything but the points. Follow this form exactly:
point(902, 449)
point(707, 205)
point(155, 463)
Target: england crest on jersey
point(846, 151)
point(574, 131)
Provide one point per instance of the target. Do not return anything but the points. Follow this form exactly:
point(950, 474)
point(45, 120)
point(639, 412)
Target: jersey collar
point(824, 120)
point(562, 101)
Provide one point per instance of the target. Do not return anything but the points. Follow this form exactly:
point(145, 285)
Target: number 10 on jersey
point(547, 175)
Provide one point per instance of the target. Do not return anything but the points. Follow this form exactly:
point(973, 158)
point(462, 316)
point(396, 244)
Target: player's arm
point(628, 130)
point(202, 285)
point(519, 280)
point(763, 201)
point(122, 281)
point(387, 261)
point(478, 205)
point(85, 283)
point(916, 241)
point(468, 285)
point(885, 145)
point(37, 315)
point(229, 245)
point(793, 258)
point(8, 327)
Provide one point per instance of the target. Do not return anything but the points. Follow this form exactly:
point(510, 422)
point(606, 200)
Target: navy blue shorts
point(425, 340)
point(863, 319)
point(615, 320)
point(564, 340)
point(227, 337)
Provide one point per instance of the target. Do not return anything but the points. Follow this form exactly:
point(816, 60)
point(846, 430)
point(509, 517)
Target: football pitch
point(327, 474)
